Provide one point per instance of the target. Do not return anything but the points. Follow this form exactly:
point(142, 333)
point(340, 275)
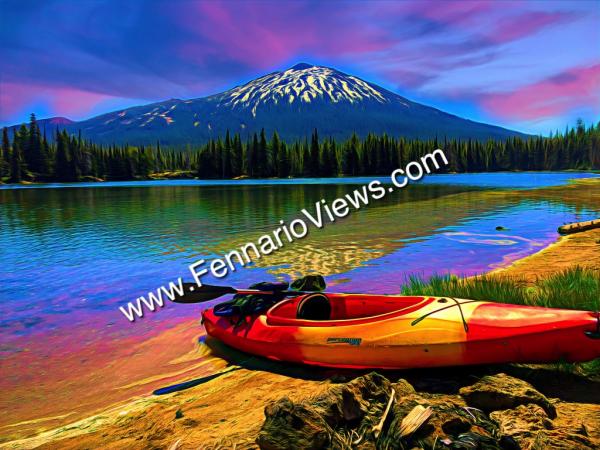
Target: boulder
point(451, 423)
point(530, 426)
point(338, 415)
point(501, 391)
point(289, 424)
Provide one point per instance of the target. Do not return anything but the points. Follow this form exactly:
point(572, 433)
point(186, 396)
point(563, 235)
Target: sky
point(532, 66)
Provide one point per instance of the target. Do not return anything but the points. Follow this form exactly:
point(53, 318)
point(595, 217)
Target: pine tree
point(262, 156)
point(284, 166)
point(276, 157)
point(238, 156)
point(227, 150)
point(35, 157)
point(251, 151)
point(305, 164)
point(15, 161)
point(143, 165)
point(160, 161)
point(75, 158)
point(5, 156)
point(62, 170)
point(314, 155)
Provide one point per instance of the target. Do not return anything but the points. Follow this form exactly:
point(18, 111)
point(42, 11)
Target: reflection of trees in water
point(201, 220)
point(232, 208)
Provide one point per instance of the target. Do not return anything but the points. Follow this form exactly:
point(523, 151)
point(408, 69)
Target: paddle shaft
point(258, 292)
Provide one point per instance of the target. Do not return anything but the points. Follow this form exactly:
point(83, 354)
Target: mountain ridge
point(292, 102)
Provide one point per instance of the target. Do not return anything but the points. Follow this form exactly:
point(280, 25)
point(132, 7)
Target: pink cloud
point(459, 13)
point(512, 28)
point(572, 89)
point(15, 97)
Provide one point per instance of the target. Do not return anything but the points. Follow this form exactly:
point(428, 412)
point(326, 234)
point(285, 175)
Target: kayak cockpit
point(341, 309)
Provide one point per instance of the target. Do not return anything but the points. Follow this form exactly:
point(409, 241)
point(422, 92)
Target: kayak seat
point(314, 307)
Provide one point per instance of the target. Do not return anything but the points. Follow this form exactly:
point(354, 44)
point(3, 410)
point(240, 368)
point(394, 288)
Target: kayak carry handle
point(594, 334)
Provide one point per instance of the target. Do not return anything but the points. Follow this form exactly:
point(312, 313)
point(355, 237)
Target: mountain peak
point(59, 121)
point(303, 84)
point(302, 66)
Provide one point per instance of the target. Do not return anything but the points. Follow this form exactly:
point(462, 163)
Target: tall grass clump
point(480, 287)
point(573, 288)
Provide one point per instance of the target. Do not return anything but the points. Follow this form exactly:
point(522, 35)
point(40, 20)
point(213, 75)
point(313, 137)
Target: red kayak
point(398, 332)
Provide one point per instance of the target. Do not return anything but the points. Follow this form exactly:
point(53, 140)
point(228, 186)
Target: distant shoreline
point(167, 176)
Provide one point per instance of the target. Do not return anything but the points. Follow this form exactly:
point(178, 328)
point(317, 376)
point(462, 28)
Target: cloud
point(18, 98)
point(556, 95)
point(516, 27)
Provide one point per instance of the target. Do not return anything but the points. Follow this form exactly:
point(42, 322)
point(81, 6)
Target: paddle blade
point(205, 293)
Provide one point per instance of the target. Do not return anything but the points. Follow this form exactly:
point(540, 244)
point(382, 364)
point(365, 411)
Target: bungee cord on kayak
point(442, 300)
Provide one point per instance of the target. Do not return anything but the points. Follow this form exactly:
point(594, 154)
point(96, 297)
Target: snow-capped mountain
point(293, 103)
point(303, 83)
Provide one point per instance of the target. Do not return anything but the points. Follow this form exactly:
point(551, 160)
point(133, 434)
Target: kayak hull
point(490, 333)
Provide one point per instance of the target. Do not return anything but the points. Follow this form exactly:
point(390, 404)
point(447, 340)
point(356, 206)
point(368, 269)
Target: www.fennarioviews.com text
point(321, 214)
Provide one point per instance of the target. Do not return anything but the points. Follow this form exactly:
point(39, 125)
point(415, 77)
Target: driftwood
point(417, 417)
point(379, 427)
point(579, 226)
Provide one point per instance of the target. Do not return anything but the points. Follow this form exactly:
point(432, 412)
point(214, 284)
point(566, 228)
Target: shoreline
point(166, 176)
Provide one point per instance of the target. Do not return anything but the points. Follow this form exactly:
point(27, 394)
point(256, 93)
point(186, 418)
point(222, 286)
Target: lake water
point(75, 255)
point(72, 254)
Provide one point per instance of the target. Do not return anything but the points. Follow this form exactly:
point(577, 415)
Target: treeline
point(29, 155)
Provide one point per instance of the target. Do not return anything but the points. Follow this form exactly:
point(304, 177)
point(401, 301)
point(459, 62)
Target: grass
point(574, 288)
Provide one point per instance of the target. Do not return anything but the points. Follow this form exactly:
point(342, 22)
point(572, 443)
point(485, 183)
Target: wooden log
point(579, 226)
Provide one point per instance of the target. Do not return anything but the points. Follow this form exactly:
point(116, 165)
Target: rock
point(498, 392)
point(450, 422)
point(529, 418)
point(403, 388)
point(311, 424)
point(290, 424)
point(530, 426)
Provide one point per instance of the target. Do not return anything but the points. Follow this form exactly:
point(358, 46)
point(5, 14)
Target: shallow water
point(72, 254)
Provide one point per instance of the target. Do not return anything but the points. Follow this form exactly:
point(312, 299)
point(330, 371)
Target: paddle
point(206, 292)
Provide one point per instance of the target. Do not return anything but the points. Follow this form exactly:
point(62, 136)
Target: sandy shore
point(228, 409)
point(581, 249)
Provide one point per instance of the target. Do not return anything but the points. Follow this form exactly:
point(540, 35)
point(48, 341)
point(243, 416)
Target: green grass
point(574, 288)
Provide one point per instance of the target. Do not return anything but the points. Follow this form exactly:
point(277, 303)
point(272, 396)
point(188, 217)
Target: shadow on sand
point(568, 387)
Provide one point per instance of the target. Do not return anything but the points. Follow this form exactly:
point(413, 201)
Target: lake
point(73, 253)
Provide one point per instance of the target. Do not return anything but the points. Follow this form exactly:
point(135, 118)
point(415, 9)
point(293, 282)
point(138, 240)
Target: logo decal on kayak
point(344, 340)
